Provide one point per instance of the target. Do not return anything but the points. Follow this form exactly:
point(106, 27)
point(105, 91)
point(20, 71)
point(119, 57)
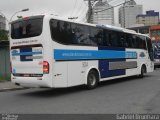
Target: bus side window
point(99, 37)
point(84, 35)
point(55, 29)
point(61, 31)
point(93, 36)
point(65, 32)
point(141, 42)
point(113, 37)
point(122, 40)
point(79, 34)
point(106, 38)
point(129, 40)
point(144, 42)
point(110, 39)
point(134, 41)
point(74, 34)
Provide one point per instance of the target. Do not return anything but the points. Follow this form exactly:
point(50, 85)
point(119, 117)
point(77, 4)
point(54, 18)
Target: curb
point(3, 81)
point(11, 89)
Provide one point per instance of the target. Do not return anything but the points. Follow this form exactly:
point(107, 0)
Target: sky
point(66, 8)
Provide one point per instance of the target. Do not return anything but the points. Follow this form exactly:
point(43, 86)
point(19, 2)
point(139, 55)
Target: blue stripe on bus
point(63, 54)
point(103, 65)
point(104, 68)
point(23, 54)
point(26, 53)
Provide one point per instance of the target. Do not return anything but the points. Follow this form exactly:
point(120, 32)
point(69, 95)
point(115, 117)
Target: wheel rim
point(92, 79)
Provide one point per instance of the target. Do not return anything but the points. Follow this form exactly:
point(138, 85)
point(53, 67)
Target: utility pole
point(89, 11)
point(124, 15)
point(90, 5)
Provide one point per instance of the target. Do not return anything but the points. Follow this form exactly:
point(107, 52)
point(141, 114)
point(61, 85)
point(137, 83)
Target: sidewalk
point(8, 86)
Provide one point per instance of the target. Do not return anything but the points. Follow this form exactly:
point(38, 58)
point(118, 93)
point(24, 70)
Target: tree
point(3, 35)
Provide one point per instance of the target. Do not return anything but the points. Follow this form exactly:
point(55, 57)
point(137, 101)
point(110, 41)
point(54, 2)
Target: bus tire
point(92, 79)
point(143, 71)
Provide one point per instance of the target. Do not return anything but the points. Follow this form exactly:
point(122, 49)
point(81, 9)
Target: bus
point(155, 37)
point(48, 51)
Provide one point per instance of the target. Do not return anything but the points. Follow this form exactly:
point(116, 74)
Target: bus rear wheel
point(92, 79)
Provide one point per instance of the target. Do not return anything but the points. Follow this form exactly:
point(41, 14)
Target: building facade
point(103, 17)
point(150, 18)
point(155, 33)
point(2, 23)
point(128, 13)
point(141, 29)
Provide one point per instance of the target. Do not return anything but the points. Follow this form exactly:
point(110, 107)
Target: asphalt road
point(129, 95)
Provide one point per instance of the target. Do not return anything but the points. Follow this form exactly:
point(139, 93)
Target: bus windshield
point(28, 27)
point(156, 48)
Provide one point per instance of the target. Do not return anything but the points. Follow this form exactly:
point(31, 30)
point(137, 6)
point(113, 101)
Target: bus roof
point(109, 27)
point(120, 29)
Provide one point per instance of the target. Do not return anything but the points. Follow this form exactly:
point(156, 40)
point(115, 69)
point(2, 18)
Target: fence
point(4, 60)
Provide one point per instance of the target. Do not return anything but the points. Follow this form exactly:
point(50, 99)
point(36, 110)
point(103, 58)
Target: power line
point(74, 7)
point(90, 5)
point(83, 18)
point(80, 8)
point(113, 1)
point(85, 11)
point(81, 13)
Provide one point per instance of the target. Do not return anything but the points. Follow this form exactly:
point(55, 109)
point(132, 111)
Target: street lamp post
point(23, 10)
point(4, 16)
point(8, 21)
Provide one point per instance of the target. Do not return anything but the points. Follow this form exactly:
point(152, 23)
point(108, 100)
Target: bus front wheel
point(92, 79)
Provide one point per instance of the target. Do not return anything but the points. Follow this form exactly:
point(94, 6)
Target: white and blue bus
point(47, 51)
